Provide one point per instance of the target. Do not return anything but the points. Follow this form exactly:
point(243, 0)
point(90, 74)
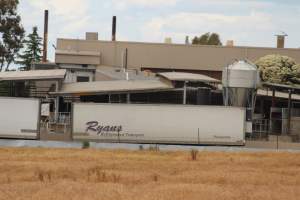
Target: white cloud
point(248, 22)
point(237, 27)
point(123, 4)
point(69, 9)
point(249, 3)
point(68, 18)
point(70, 15)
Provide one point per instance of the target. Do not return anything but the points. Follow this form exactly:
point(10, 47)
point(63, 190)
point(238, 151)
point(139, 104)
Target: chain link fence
point(278, 125)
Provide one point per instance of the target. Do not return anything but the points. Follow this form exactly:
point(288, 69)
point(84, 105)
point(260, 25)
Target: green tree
point(214, 39)
point(279, 69)
point(208, 39)
point(11, 33)
point(33, 50)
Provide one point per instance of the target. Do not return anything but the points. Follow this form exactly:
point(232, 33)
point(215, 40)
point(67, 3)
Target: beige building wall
point(165, 56)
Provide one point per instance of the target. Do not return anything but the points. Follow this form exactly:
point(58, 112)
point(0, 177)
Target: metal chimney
point(114, 28)
point(281, 39)
point(45, 43)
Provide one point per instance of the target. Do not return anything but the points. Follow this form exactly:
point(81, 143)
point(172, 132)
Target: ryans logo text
point(94, 126)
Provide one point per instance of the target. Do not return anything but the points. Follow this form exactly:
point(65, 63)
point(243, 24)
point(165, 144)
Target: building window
point(83, 79)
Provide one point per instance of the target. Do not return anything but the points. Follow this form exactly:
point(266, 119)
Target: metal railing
point(260, 128)
point(57, 124)
point(263, 128)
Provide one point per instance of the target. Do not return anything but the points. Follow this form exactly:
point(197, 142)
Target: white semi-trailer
point(19, 118)
point(177, 124)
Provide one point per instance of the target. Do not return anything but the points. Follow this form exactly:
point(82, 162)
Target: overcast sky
point(247, 22)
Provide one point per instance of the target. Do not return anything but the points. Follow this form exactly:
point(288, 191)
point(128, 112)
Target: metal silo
point(240, 82)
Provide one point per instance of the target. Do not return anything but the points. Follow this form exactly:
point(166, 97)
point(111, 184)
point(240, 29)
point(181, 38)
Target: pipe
point(126, 59)
point(114, 28)
point(125, 63)
point(45, 43)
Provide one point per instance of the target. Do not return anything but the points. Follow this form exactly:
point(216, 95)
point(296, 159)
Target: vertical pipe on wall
point(126, 59)
point(124, 63)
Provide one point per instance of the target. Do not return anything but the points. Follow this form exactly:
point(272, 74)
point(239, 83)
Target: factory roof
point(115, 86)
point(33, 75)
point(191, 77)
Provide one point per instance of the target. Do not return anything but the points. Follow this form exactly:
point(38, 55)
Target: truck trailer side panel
point(19, 118)
point(159, 123)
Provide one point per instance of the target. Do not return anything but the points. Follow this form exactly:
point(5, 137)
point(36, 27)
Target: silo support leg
point(184, 93)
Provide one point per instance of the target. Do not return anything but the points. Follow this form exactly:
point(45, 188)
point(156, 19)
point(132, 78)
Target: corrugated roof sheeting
point(33, 75)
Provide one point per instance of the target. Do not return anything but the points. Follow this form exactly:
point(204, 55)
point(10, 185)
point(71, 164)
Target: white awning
point(33, 75)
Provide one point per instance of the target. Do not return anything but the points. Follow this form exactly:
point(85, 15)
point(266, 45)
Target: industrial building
point(95, 71)
point(160, 57)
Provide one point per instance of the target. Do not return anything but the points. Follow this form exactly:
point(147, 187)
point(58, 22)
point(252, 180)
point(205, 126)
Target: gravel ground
point(53, 144)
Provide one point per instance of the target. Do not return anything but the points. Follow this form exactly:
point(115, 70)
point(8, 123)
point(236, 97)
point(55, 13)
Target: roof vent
point(230, 43)
point(91, 36)
point(281, 39)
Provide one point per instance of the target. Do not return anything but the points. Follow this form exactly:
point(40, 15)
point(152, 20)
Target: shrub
point(194, 153)
point(85, 144)
point(43, 175)
point(155, 177)
point(279, 69)
point(154, 147)
point(141, 147)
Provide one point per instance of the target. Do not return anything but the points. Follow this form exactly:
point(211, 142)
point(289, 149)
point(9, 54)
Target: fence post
point(277, 145)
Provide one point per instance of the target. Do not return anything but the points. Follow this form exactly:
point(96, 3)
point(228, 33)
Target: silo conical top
point(241, 74)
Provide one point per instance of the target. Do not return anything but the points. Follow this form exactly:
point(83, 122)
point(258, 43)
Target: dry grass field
point(62, 174)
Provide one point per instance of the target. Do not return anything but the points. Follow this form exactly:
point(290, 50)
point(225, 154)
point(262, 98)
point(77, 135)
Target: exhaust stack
point(45, 43)
point(281, 40)
point(114, 28)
